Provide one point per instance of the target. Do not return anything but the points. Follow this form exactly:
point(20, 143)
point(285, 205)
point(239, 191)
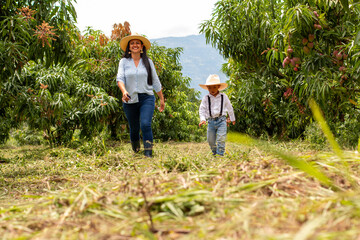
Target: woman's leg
point(132, 113)
point(147, 107)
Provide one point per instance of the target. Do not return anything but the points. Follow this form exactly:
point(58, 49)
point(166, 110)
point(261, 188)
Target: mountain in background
point(198, 59)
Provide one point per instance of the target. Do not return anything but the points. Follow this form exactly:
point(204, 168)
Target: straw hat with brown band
point(125, 40)
point(213, 79)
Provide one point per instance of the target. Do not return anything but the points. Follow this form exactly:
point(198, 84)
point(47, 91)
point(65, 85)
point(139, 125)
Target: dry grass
point(182, 193)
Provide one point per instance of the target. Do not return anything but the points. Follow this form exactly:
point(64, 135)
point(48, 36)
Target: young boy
point(213, 108)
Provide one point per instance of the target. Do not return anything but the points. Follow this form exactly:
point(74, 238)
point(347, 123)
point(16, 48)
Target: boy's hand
point(228, 122)
point(202, 123)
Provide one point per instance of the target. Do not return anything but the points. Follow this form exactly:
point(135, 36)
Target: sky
point(152, 18)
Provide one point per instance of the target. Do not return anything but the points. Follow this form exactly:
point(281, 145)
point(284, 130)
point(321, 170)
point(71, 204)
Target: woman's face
point(135, 46)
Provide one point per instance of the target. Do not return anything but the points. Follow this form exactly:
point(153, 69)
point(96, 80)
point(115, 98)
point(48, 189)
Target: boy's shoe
point(218, 155)
point(148, 153)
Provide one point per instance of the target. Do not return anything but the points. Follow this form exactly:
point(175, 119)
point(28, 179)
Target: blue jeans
point(139, 116)
point(216, 135)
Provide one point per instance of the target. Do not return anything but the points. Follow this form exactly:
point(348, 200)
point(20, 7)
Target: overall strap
point(209, 105)
point(222, 103)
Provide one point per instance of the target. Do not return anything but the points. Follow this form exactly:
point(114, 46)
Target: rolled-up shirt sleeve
point(203, 110)
point(120, 77)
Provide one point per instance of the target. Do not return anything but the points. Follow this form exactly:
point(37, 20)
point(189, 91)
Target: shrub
point(27, 136)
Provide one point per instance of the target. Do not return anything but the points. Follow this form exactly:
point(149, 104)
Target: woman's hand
point(162, 105)
point(162, 101)
point(126, 97)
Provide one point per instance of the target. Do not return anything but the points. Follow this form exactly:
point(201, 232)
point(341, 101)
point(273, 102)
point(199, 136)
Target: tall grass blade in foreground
point(290, 159)
point(344, 167)
point(325, 128)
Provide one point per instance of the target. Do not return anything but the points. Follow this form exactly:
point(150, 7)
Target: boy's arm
point(202, 112)
point(229, 109)
point(202, 109)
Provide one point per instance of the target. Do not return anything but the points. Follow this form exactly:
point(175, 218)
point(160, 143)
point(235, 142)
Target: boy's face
point(213, 89)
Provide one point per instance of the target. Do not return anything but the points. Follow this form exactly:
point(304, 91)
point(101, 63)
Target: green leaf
point(325, 128)
point(345, 4)
point(357, 38)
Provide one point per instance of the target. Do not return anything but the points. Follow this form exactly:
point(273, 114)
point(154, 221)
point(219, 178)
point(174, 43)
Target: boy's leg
point(211, 136)
point(221, 137)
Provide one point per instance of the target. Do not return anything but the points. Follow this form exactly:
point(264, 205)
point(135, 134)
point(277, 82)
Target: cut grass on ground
point(182, 193)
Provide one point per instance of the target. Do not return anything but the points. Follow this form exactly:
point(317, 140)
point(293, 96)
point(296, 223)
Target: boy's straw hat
point(125, 40)
point(213, 79)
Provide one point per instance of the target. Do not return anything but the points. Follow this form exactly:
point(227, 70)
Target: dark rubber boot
point(135, 146)
point(148, 149)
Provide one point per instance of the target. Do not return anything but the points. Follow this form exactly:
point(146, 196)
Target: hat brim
point(222, 86)
point(125, 40)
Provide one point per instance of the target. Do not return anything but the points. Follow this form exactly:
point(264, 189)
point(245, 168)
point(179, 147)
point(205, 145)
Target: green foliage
point(314, 135)
point(59, 82)
point(347, 131)
point(99, 68)
point(281, 54)
point(181, 165)
point(188, 203)
point(260, 107)
point(56, 101)
point(241, 29)
point(95, 147)
point(5, 120)
point(26, 136)
point(325, 128)
point(179, 120)
point(40, 32)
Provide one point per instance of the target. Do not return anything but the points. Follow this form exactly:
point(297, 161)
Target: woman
point(137, 80)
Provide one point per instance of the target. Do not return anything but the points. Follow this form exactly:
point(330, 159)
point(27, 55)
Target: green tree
point(101, 56)
point(180, 119)
point(55, 79)
point(281, 53)
point(59, 102)
point(58, 81)
point(39, 31)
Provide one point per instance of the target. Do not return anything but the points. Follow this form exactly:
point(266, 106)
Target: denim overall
point(216, 132)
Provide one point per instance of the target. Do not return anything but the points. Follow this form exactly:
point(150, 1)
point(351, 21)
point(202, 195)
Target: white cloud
point(154, 18)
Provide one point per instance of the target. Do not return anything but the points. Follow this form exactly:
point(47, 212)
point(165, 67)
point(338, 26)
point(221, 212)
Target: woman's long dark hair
point(145, 59)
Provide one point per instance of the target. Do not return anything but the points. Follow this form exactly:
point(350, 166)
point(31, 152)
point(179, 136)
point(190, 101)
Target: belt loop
point(216, 118)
